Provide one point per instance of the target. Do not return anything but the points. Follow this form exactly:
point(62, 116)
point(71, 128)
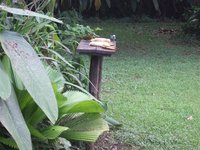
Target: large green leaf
point(24, 12)
point(29, 68)
point(12, 74)
point(78, 102)
point(54, 132)
point(7, 67)
point(103, 104)
point(112, 122)
point(9, 142)
point(51, 6)
point(56, 77)
point(36, 133)
point(36, 117)
point(87, 127)
point(24, 99)
point(29, 107)
point(12, 119)
point(5, 85)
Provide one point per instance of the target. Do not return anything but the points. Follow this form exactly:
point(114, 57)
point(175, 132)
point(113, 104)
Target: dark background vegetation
point(127, 8)
point(181, 10)
point(187, 11)
point(119, 8)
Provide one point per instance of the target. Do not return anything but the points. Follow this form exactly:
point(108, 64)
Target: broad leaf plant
point(33, 105)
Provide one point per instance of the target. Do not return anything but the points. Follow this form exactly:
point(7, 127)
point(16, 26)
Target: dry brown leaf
point(97, 4)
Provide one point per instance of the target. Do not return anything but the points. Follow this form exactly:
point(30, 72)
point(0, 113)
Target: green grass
point(152, 85)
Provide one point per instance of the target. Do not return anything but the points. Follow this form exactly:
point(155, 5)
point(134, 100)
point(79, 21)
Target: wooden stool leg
point(95, 79)
point(95, 75)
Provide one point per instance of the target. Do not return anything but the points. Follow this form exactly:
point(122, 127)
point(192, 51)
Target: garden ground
point(152, 85)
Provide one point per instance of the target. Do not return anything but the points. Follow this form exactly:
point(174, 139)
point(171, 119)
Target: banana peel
point(102, 42)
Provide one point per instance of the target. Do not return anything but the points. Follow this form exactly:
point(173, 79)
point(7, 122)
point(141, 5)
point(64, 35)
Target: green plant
point(28, 101)
point(153, 8)
point(56, 41)
point(192, 26)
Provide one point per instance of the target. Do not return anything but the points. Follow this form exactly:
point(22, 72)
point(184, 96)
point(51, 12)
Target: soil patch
point(107, 142)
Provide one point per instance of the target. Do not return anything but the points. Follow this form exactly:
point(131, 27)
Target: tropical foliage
point(37, 107)
point(192, 26)
point(165, 8)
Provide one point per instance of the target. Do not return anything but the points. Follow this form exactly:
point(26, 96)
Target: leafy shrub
point(35, 106)
point(192, 26)
point(123, 8)
point(56, 41)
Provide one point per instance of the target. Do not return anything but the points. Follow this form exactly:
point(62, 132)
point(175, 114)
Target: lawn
point(152, 85)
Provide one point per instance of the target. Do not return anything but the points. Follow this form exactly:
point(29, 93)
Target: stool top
point(85, 48)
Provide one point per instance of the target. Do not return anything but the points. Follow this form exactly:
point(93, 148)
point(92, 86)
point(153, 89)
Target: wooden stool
point(97, 54)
